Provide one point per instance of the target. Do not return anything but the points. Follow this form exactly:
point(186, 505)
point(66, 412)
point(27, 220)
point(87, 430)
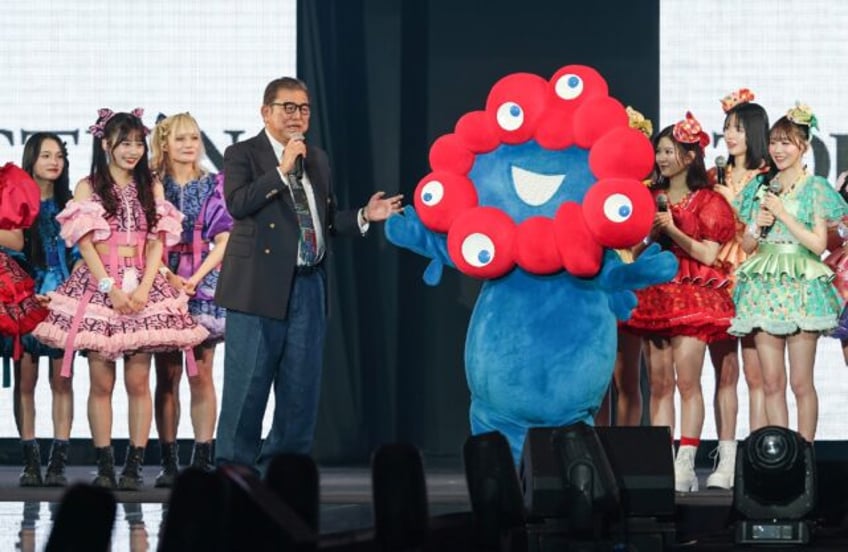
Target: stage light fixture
point(774, 488)
point(570, 491)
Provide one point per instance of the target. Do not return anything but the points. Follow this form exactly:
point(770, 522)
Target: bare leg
point(770, 349)
point(26, 376)
point(63, 401)
point(204, 403)
point(661, 378)
point(140, 403)
point(169, 367)
point(102, 373)
point(802, 356)
point(725, 361)
point(626, 377)
point(689, 361)
point(754, 379)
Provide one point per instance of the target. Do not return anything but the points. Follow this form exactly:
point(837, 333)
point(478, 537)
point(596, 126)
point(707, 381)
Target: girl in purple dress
point(117, 304)
point(193, 264)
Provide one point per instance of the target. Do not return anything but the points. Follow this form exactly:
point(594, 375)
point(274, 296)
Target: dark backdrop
point(387, 78)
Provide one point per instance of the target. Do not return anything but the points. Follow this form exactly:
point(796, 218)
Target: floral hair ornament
point(802, 114)
point(689, 131)
point(741, 96)
point(638, 121)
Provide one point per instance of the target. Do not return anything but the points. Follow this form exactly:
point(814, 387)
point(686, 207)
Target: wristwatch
point(105, 285)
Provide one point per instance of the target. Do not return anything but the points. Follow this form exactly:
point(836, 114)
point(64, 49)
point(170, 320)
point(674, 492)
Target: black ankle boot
point(201, 457)
point(55, 474)
point(31, 476)
point(170, 466)
point(105, 468)
point(131, 475)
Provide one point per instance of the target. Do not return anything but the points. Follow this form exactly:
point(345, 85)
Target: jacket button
point(267, 251)
point(272, 225)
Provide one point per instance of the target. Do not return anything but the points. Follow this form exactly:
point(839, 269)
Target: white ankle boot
point(685, 479)
point(722, 477)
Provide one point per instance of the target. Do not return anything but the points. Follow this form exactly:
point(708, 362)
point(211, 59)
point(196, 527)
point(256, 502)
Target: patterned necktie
point(308, 246)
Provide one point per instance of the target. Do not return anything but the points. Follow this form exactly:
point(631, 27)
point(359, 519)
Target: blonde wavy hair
point(160, 162)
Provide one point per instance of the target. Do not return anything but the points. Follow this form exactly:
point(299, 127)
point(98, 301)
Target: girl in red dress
point(20, 312)
point(682, 316)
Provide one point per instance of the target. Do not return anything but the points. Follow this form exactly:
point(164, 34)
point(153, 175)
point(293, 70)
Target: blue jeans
point(286, 354)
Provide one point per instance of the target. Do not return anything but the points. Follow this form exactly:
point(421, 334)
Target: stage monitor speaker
point(832, 470)
point(641, 459)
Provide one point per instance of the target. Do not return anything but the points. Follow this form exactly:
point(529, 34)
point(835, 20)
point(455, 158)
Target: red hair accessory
point(689, 131)
point(741, 96)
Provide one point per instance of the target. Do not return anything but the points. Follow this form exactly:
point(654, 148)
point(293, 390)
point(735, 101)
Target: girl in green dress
point(784, 294)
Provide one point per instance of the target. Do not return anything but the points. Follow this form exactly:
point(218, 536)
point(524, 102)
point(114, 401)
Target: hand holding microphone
point(721, 170)
point(663, 218)
point(771, 203)
point(292, 162)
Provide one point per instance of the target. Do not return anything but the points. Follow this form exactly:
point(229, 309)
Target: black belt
point(306, 270)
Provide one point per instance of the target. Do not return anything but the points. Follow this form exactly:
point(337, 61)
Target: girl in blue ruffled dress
point(784, 293)
point(49, 262)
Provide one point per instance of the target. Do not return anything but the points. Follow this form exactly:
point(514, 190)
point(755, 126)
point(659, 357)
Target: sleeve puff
point(716, 219)
point(20, 198)
point(827, 203)
point(215, 216)
point(170, 222)
point(78, 218)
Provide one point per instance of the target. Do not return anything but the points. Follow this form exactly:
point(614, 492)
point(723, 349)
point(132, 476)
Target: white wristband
point(753, 230)
point(105, 285)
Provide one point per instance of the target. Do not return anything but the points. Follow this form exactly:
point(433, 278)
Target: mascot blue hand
point(653, 266)
point(622, 303)
point(407, 231)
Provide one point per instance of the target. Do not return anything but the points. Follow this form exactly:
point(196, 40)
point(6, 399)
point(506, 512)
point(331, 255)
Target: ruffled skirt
point(20, 312)
point(163, 325)
point(782, 289)
point(696, 303)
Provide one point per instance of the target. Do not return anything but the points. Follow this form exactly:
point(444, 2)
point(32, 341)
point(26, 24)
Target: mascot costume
point(532, 195)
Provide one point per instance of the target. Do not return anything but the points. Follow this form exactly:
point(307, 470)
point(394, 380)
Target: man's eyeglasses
point(290, 107)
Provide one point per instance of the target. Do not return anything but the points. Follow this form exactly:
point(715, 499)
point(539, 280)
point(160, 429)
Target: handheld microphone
point(721, 170)
point(662, 203)
point(774, 187)
point(297, 169)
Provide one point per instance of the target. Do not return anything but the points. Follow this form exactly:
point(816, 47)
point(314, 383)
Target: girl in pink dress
point(118, 304)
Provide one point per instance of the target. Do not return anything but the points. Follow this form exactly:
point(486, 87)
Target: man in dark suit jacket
point(273, 282)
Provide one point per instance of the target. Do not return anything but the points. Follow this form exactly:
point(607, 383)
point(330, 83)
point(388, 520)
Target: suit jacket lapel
point(268, 163)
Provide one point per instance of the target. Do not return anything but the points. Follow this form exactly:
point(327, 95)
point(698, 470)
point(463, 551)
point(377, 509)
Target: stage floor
point(26, 514)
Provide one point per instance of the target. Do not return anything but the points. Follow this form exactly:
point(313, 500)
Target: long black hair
point(61, 190)
point(117, 129)
point(753, 119)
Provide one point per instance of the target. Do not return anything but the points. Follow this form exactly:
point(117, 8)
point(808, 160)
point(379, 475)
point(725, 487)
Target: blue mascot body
point(531, 195)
